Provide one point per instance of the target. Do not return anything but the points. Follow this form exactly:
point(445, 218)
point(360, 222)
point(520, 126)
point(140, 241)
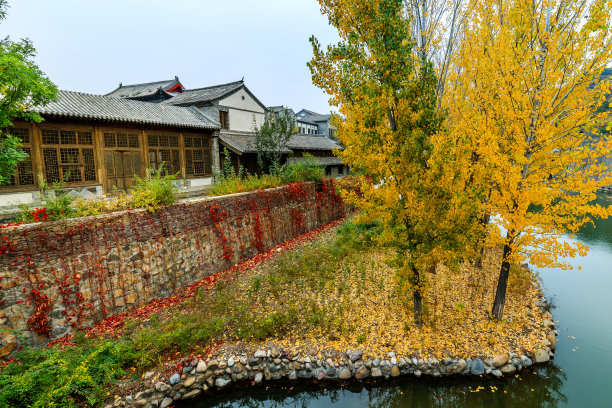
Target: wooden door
point(121, 167)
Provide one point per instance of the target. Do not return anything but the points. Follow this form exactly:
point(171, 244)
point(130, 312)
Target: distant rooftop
point(306, 115)
point(244, 142)
point(204, 95)
point(147, 89)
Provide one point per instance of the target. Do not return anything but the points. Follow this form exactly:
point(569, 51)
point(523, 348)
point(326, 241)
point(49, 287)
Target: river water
point(580, 375)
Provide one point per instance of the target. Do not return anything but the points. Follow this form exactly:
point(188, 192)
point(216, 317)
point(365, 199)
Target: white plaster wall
point(201, 182)
point(8, 199)
point(307, 128)
point(236, 100)
point(243, 120)
point(242, 111)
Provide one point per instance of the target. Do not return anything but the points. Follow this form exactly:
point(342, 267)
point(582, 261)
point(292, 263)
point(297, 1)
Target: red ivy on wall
point(85, 268)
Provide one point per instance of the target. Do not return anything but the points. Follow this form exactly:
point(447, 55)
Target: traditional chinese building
point(238, 111)
point(96, 143)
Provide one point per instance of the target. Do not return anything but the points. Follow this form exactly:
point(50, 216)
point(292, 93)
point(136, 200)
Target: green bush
point(155, 190)
point(56, 205)
point(237, 184)
point(150, 192)
point(228, 182)
point(73, 377)
point(304, 170)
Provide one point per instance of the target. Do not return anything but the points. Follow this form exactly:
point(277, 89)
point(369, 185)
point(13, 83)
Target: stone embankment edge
point(205, 376)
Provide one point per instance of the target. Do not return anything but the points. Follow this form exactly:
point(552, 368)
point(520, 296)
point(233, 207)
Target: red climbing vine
point(78, 272)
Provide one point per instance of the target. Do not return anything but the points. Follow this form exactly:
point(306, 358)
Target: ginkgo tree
point(524, 88)
point(393, 132)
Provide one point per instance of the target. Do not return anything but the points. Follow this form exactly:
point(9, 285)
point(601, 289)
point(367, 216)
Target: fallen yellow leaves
point(359, 306)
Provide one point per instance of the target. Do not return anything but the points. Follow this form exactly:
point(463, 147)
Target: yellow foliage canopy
point(524, 87)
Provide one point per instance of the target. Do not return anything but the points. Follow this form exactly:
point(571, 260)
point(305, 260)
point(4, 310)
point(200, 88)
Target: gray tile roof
point(245, 142)
point(140, 90)
point(277, 109)
point(100, 107)
point(321, 161)
point(310, 116)
point(319, 118)
point(204, 95)
point(241, 142)
point(312, 142)
point(304, 120)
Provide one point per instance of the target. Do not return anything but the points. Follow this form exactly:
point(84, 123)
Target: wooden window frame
point(224, 119)
point(191, 150)
point(155, 150)
point(132, 139)
point(77, 146)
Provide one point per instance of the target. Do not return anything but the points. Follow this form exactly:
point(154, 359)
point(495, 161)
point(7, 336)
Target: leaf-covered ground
point(338, 292)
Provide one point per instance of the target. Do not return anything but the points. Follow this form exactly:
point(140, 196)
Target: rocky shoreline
point(206, 376)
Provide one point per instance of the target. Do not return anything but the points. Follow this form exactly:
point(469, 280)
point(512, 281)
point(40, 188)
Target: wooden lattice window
point(197, 156)
point(121, 140)
point(68, 155)
point(164, 152)
point(24, 174)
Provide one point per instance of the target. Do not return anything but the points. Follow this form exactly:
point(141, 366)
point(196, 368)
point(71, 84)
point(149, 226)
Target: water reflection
point(542, 387)
point(601, 232)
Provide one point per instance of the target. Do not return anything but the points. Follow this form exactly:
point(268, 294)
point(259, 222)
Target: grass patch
point(230, 182)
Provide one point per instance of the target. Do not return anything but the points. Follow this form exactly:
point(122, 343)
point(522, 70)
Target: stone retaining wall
point(201, 377)
point(56, 276)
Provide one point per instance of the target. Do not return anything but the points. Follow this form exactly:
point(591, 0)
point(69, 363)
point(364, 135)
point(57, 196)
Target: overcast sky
point(91, 46)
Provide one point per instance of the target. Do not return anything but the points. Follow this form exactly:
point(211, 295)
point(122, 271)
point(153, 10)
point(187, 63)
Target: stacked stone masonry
point(61, 275)
point(204, 377)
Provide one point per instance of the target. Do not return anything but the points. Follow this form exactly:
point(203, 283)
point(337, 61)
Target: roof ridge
point(148, 83)
point(214, 86)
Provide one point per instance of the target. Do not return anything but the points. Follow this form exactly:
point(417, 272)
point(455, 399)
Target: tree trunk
point(485, 221)
point(502, 284)
point(418, 307)
point(418, 298)
point(479, 259)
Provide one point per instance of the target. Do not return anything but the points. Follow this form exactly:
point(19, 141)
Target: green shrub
point(236, 184)
point(155, 190)
point(56, 205)
point(72, 377)
point(150, 192)
point(304, 170)
point(228, 182)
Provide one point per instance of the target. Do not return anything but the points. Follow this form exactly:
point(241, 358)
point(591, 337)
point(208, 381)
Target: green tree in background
point(22, 86)
point(272, 137)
